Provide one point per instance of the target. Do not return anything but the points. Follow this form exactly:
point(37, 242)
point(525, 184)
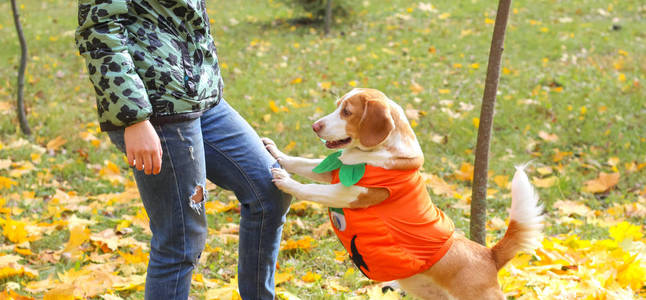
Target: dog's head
point(362, 119)
point(366, 119)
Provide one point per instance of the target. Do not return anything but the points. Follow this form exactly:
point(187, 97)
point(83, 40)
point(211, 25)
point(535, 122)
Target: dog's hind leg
point(422, 286)
point(467, 271)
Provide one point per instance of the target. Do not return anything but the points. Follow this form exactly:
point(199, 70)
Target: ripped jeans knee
point(197, 199)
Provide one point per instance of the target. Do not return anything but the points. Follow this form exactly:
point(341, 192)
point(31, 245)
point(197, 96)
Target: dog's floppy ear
point(376, 123)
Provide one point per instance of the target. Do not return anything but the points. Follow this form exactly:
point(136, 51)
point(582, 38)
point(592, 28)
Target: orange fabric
point(399, 237)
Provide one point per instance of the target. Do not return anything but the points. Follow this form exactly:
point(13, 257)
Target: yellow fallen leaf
point(110, 297)
point(558, 156)
point(106, 239)
point(502, 181)
point(311, 277)
point(273, 106)
point(35, 157)
point(348, 273)
point(78, 235)
point(133, 282)
point(465, 172)
point(5, 106)
point(545, 182)
point(91, 280)
point(9, 266)
point(306, 243)
point(137, 256)
point(496, 223)
point(226, 292)
point(39, 286)
point(11, 295)
point(635, 210)
point(15, 231)
point(290, 146)
point(110, 168)
point(438, 185)
point(632, 273)
point(548, 137)
point(69, 199)
point(602, 183)
point(567, 207)
point(301, 206)
point(283, 277)
point(216, 206)
point(60, 293)
point(141, 219)
point(5, 163)
point(544, 170)
point(56, 143)
point(23, 251)
point(281, 294)
point(340, 255)
point(625, 230)
point(7, 183)
point(416, 88)
point(20, 169)
point(336, 287)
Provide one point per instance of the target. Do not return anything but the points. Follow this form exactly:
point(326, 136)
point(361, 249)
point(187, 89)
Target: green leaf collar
point(348, 174)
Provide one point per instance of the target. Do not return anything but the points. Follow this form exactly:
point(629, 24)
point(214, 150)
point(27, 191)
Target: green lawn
point(572, 100)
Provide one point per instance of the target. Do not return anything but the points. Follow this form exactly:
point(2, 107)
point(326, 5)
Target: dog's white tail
point(526, 221)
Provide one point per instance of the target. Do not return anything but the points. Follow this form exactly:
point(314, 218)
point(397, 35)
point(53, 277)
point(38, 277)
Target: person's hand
point(143, 148)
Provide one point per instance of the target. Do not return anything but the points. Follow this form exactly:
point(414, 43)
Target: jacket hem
point(160, 120)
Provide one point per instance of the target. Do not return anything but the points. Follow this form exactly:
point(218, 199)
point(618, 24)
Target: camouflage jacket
point(148, 59)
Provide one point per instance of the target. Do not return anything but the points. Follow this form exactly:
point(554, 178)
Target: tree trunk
point(20, 105)
point(479, 191)
point(328, 16)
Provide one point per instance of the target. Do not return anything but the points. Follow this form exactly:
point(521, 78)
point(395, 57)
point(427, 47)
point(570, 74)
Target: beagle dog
point(409, 240)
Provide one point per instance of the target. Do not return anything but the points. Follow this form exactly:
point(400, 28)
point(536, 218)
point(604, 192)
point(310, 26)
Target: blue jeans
point(222, 147)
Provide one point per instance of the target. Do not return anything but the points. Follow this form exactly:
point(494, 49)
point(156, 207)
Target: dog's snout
point(317, 126)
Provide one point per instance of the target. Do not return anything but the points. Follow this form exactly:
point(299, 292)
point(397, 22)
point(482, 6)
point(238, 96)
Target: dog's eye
point(346, 112)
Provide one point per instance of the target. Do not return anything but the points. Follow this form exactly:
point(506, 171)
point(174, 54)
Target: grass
point(566, 72)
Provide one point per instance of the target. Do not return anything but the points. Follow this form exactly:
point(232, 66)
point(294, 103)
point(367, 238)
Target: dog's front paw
point(282, 180)
point(273, 149)
point(279, 174)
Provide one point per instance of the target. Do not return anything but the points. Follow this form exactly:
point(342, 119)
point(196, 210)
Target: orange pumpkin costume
point(399, 237)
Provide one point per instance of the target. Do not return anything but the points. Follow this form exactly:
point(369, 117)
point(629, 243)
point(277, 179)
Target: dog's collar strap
point(349, 175)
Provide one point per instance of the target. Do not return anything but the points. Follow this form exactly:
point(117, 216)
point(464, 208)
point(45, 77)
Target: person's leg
point(173, 200)
point(237, 160)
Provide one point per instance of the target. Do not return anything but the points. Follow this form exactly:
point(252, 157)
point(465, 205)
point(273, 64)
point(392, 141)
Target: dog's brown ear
point(376, 123)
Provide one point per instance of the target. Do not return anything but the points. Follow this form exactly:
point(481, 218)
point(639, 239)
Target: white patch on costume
point(338, 220)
